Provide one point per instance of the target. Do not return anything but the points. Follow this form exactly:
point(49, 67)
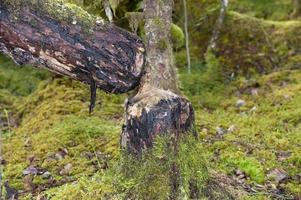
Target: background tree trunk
point(157, 108)
point(219, 25)
point(297, 9)
point(187, 37)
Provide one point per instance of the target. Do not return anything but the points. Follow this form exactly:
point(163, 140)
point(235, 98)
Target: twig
point(8, 122)
point(187, 38)
point(218, 26)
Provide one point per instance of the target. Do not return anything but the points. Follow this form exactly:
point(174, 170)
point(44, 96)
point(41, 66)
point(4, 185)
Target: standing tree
point(186, 36)
point(67, 40)
point(157, 107)
point(218, 25)
point(297, 9)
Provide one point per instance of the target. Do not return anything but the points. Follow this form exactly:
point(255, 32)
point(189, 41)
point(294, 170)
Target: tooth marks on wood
point(114, 57)
point(172, 115)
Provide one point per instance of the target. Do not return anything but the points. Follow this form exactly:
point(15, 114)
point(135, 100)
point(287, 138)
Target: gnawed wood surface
point(153, 113)
point(110, 56)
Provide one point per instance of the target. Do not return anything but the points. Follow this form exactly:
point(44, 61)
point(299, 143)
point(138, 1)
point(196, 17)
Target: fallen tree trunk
point(68, 41)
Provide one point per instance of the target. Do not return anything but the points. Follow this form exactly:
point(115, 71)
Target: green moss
point(135, 20)
point(267, 126)
point(163, 44)
point(268, 9)
point(158, 22)
point(56, 117)
point(56, 9)
point(147, 178)
point(247, 45)
point(266, 135)
point(22, 83)
point(263, 48)
point(177, 36)
point(248, 165)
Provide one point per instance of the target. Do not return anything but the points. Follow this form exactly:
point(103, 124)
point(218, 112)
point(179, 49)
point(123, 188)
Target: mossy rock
point(247, 45)
point(177, 36)
point(266, 9)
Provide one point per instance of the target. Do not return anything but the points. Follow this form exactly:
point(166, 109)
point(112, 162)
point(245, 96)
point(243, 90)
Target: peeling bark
point(102, 54)
point(158, 107)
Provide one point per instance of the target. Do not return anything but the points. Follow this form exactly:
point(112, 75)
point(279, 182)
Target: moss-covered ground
point(255, 138)
point(249, 126)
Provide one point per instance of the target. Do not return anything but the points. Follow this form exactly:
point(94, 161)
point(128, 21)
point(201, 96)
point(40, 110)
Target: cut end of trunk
point(155, 113)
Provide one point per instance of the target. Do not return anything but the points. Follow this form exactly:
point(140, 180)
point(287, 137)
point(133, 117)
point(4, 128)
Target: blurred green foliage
point(22, 83)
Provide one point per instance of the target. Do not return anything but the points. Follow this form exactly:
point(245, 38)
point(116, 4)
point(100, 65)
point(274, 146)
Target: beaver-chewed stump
point(154, 112)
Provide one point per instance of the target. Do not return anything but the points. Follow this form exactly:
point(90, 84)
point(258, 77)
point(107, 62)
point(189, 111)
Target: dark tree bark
point(157, 108)
point(69, 41)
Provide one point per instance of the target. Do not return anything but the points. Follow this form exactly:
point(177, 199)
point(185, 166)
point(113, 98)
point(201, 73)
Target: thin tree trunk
point(218, 26)
point(297, 9)
point(187, 37)
point(157, 108)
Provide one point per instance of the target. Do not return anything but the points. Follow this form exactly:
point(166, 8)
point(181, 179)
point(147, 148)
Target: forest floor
point(249, 130)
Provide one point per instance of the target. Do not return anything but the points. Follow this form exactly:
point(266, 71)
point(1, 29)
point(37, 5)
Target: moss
point(266, 127)
point(15, 84)
point(249, 148)
point(22, 83)
point(267, 9)
point(248, 165)
point(247, 45)
point(135, 19)
point(260, 49)
point(163, 44)
point(56, 117)
point(56, 9)
point(147, 178)
point(177, 36)
point(265, 133)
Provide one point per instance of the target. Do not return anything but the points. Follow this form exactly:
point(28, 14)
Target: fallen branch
point(68, 41)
